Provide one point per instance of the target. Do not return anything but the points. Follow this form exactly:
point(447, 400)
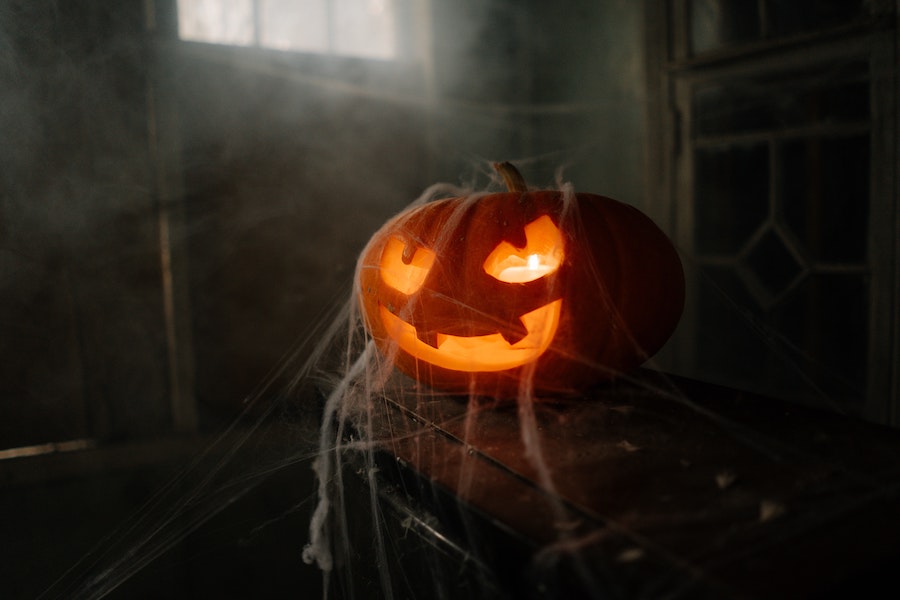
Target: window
point(354, 28)
point(779, 179)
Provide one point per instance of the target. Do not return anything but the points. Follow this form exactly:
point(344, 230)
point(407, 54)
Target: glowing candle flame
point(529, 270)
point(542, 254)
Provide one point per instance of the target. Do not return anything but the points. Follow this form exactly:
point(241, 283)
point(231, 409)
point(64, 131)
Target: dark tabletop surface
point(653, 487)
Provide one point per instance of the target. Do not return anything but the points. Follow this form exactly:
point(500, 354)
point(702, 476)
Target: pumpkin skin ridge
point(599, 239)
point(646, 334)
point(574, 364)
point(613, 287)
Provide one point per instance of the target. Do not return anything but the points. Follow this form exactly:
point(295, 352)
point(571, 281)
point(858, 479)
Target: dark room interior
point(186, 185)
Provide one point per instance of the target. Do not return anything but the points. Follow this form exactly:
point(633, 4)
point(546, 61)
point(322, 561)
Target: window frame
point(673, 73)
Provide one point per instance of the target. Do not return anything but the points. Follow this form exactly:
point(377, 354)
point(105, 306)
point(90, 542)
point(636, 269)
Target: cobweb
point(649, 486)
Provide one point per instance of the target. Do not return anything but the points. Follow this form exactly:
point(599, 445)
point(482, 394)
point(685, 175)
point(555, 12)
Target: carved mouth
point(482, 352)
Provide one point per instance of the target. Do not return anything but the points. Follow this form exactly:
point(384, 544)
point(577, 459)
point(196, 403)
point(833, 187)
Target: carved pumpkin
point(558, 290)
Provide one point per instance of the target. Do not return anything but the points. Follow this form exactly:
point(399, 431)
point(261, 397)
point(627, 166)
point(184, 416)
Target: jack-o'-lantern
point(552, 290)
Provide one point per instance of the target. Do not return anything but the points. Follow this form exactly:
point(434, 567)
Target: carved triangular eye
point(404, 267)
point(541, 256)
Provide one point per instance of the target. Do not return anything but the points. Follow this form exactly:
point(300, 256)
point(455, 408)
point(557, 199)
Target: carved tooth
point(513, 334)
point(428, 337)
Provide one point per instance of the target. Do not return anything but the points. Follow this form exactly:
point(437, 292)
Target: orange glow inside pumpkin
point(405, 270)
point(541, 256)
point(402, 272)
point(483, 352)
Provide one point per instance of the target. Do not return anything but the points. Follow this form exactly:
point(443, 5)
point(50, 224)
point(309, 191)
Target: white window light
point(361, 28)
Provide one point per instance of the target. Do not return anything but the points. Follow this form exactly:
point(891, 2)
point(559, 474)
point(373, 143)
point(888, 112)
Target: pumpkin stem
point(511, 177)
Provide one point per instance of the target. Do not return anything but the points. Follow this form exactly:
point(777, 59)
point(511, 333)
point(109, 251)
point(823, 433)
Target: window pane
point(216, 21)
point(731, 197)
point(299, 25)
point(717, 23)
point(779, 103)
point(733, 107)
point(818, 338)
point(729, 348)
point(788, 17)
point(365, 28)
point(772, 264)
point(827, 317)
point(825, 197)
point(362, 28)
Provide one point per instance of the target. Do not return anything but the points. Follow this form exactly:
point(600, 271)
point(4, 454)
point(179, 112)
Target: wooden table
point(654, 487)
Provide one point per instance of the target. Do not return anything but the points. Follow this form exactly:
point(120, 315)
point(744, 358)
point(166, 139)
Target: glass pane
point(825, 196)
point(846, 101)
point(772, 104)
point(299, 25)
point(216, 21)
point(815, 340)
point(717, 23)
point(731, 108)
point(772, 264)
point(827, 319)
point(365, 28)
point(731, 196)
point(729, 348)
point(788, 17)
